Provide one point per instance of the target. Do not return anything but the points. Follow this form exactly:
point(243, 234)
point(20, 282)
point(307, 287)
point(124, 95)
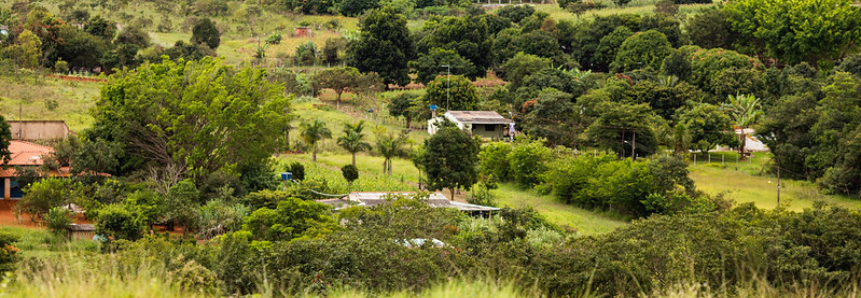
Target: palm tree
point(390, 147)
point(314, 132)
point(745, 111)
point(352, 142)
point(352, 139)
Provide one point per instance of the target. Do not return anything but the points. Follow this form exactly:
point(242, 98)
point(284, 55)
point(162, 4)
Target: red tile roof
point(27, 154)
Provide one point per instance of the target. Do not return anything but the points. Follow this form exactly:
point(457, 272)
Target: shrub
point(493, 160)
point(275, 38)
point(46, 194)
point(293, 218)
point(58, 220)
point(527, 161)
point(8, 252)
point(61, 67)
point(115, 222)
point(218, 217)
point(350, 172)
point(481, 195)
point(298, 171)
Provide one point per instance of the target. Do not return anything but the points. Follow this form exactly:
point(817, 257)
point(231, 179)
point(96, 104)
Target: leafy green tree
point(338, 79)
point(390, 146)
point(709, 127)
point(642, 50)
point(180, 204)
point(352, 140)
point(586, 39)
point(677, 64)
point(384, 46)
point(787, 132)
point(794, 31)
point(451, 160)
point(551, 118)
point(515, 13)
point(851, 64)
point(404, 105)
point(333, 48)
point(521, 66)
point(352, 8)
point(26, 51)
point(205, 32)
point(609, 45)
point(527, 161)
point(101, 28)
point(711, 28)
point(744, 110)
point(468, 36)
point(454, 93)
point(669, 26)
point(226, 119)
point(314, 132)
point(5, 141)
point(706, 65)
point(620, 125)
point(543, 44)
point(293, 218)
point(429, 65)
point(548, 78)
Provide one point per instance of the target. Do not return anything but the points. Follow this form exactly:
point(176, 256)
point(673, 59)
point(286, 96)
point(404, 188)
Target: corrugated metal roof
point(370, 199)
point(479, 117)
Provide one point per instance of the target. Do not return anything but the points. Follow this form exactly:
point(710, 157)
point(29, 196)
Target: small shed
point(484, 124)
point(302, 32)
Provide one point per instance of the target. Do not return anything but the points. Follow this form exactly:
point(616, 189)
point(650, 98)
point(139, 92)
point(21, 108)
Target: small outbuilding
point(484, 124)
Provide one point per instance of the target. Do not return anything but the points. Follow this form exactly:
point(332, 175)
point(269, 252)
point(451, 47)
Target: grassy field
point(583, 221)
point(642, 7)
point(41, 98)
point(749, 181)
point(42, 243)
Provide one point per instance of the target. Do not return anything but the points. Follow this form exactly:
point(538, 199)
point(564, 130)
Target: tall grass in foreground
point(92, 275)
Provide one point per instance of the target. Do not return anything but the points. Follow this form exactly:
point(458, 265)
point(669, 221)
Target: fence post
point(695, 159)
point(710, 158)
point(721, 161)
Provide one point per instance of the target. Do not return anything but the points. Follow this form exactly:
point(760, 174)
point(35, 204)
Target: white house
point(484, 124)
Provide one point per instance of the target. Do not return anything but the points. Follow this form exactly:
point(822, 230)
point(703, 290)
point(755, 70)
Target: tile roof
point(479, 117)
point(27, 154)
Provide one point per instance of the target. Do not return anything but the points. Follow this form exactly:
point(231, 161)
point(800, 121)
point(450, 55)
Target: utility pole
point(447, 83)
point(634, 147)
point(778, 181)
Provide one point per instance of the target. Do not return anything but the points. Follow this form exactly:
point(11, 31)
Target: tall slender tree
point(314, 132)
point(745, 111)
point(352, 139)
point(391, 146)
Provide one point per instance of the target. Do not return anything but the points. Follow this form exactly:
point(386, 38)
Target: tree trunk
point(314, 155)
point(390, 166)
point(338, 100)
point(354, 159)
point(743, 143)
point(452, 193)
point(409, 121)
point(385, 163)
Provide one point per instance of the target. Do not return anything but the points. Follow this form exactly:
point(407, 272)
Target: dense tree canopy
point(795, 31)
point(384, 46)
point(201, 117)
